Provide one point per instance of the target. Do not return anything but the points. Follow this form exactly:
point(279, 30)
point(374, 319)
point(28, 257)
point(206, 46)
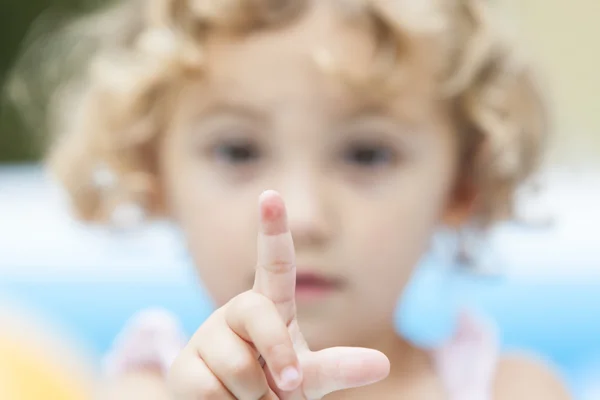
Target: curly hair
point(110, 77)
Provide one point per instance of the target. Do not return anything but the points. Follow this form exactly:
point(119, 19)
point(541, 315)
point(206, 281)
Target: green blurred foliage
point(18, 141)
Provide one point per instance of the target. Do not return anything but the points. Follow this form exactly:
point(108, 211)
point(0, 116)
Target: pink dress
point(466, 363)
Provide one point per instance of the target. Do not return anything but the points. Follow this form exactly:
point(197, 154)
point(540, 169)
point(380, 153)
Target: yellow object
point(27, 375)
point(35, 366)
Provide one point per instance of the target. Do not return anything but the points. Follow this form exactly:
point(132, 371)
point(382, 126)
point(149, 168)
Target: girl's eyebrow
point(380, 113)
point(223, 107)
point(221, 112)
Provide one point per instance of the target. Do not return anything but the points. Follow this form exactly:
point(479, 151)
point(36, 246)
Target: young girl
point(376, 121)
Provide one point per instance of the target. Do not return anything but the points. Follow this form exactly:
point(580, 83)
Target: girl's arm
point(524, 378)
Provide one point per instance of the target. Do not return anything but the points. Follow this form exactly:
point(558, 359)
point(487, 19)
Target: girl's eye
point(237, 153)
point(369, 156)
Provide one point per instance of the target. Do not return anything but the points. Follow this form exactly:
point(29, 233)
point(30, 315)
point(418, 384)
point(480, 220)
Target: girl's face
point(365, 183)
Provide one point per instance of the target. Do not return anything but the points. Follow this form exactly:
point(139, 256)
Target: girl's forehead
point(296, 91)
point(294, 45)
point(307, 59)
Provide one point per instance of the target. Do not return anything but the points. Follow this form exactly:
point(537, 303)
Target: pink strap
point(467, 363)
point(151, 339)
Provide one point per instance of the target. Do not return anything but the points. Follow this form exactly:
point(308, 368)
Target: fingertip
point(382, 363)
point(272, 213)
point(267, 194)
point(340, 368)
point(376, 364)
point(364, 366)
point(271, 204)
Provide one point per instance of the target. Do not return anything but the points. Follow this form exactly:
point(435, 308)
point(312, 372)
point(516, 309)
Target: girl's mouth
point(313, 287)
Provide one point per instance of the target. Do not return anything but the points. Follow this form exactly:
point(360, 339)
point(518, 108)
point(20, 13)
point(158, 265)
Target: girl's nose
point(310, 212)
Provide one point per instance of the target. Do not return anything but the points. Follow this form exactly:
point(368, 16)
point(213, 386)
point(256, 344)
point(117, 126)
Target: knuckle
point(278, 266)
point(249, 303)
point(243, 367)
point(188, 379)
point(207, 328)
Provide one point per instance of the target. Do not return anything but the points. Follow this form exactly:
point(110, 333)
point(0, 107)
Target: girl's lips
point(315, 279)
point(312, 286)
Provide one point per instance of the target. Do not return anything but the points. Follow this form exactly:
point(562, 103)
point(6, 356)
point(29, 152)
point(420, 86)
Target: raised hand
point(252, 347)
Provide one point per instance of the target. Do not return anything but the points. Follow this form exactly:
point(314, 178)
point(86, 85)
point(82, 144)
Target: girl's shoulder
point(472, 367)
point(524, 377)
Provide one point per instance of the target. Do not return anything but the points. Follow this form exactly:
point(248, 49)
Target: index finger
point(275, 275)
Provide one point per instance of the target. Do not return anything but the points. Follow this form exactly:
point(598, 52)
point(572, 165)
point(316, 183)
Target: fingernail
point(271, 203)
point(289, 378)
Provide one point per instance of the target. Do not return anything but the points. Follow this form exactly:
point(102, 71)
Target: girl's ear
point(461, 204)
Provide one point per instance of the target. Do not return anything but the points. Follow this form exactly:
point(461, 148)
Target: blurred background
point(85, 282)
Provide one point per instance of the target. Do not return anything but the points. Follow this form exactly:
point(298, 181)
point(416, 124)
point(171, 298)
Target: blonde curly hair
point(111, 76)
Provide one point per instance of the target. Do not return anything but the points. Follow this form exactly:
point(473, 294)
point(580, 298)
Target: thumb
point(340, 368)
